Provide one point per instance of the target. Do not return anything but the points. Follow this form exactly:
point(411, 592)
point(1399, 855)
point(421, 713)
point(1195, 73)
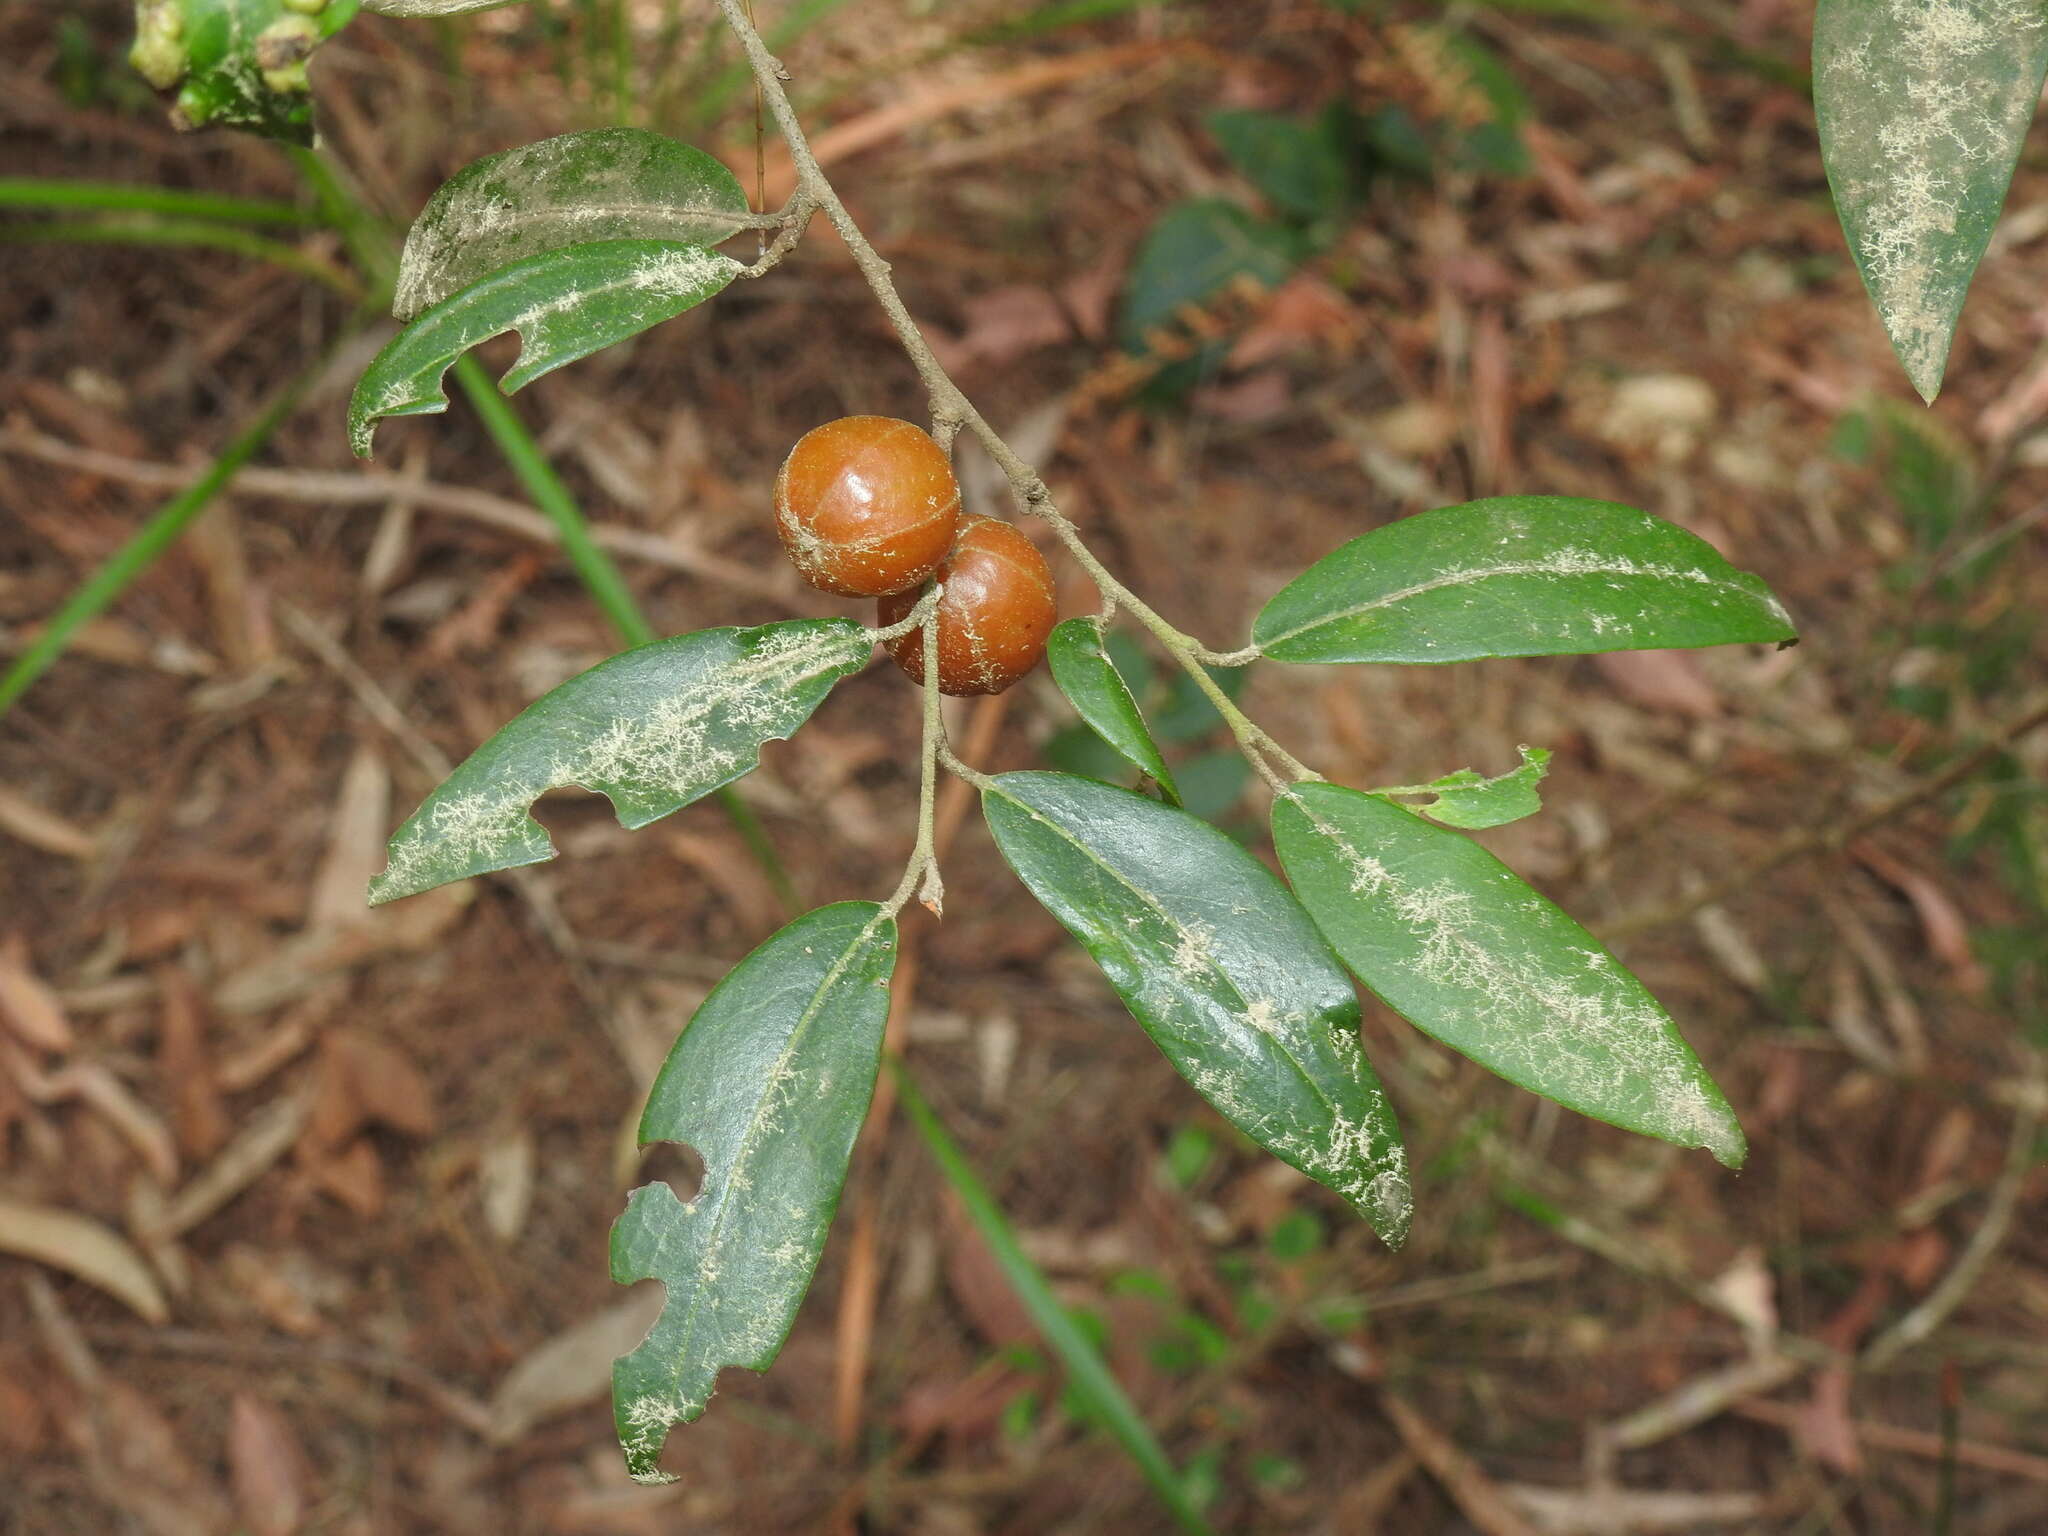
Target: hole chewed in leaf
point(652, 729)
point(770, 1082)
point(678, 1165)
point(565, 304)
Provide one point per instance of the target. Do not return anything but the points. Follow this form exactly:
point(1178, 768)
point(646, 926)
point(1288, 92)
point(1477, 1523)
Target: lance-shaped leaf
point(564, 304)
point(1223, 968)
point(573, 189)
point(242, 63)
point(1923, 106)
point(769, 1083)
point(653, 728)
point(1516, 576)
point(1467, 798)
point(1095, 688)
point(1458, 945)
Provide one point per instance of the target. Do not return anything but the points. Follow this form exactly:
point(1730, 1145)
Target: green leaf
point(1222, 967)
point(242, 62)
point(1516, 576)
point(1468, 953)
point(1923, 106)
point(573, 189)
point(1466, 798)
point(1194, 250)
point(653, 728)
point(770, 1083)
point(1298, 167)
point(565, 304)
point(1092, 684)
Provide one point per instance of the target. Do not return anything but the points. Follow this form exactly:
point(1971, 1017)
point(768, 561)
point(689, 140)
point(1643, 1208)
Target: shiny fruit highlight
point(998, 608)
point(866, 506)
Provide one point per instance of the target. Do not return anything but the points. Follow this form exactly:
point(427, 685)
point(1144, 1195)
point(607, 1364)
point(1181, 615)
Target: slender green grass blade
point(106, 584)
point(121, 197)
point(187, 232)
point(1084, 1366)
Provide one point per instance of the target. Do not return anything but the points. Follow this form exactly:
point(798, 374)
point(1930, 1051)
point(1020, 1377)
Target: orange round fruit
point(997, 609)
point(866, 506)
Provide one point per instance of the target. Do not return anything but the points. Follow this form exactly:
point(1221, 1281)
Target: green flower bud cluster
point(236, 63)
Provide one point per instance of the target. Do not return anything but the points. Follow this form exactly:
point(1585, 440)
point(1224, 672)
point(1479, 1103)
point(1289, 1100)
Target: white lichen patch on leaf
point(1923, 106)
point(643, 1425)
point(1194, 954)
point(738, 1086)
point(1569, 562)
point(1226, 974)
point(679, 269)
point(650, 760)
point(602, 184)
point(646, 289)
point(1475, 958)
point(565, 304)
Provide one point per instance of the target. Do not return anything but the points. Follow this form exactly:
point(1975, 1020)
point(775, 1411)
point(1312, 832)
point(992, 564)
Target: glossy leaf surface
point(573, 189)
point(1221, 966)
point(1461, 947)
point(1516, 576)
point(1090, 680)
point(564, 304)
point(653, 728)
point(770, 1083)
point(1923, 106)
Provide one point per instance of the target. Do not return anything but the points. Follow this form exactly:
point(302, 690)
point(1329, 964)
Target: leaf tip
point(1388, 1206)
point(1730, 1147)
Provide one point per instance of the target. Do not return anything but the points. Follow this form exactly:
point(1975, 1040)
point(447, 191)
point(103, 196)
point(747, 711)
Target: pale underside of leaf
point(770, 1083)
point(653, 729)
point(565, 304)
point(1923, 106)
point(1516, 576)
point(1455, 942)
point(573, 189)
point(1223, 969)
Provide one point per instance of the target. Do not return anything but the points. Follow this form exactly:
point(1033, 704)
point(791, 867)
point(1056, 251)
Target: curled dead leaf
point(80, 1246)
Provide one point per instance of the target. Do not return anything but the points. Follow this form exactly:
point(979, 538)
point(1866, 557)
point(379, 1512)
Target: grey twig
point(950, 408)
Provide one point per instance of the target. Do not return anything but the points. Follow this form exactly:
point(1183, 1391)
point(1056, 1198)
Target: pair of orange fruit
point(867, 506)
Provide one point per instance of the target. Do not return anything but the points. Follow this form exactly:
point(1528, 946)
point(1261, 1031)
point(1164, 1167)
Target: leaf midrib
point(1576, 1102)
point(749, 670)
point(1157, 906)
point(714, 1242)
point(1510, 568)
